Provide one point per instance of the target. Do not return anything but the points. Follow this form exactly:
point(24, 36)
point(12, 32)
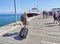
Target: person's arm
point(26, 18)
point(56, 14)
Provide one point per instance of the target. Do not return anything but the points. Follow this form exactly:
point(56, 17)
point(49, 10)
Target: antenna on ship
point(37, 8)
point(15, 10)
point(36, 1)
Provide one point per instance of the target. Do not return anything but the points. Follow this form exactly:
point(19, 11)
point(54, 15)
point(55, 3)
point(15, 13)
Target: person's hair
point(25, 13)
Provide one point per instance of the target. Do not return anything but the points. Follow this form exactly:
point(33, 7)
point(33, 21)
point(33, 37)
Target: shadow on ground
point(10, 34)
point(18, 38)
point(49, 24)
point(39, 18)
point(15, 36)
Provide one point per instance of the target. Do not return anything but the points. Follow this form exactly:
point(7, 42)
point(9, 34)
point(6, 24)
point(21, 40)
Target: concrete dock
point(41, 31)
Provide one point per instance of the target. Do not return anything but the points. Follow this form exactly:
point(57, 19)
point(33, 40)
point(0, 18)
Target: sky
point(7, 6)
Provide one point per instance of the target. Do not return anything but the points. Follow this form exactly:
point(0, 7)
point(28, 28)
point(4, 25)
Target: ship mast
point(36, 1)
point(37, 8)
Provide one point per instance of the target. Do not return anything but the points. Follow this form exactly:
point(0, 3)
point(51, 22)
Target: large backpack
point(23, 18)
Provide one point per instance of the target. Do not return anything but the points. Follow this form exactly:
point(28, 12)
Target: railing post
point(15, 10)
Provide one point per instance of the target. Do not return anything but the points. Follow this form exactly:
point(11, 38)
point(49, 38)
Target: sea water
point(6, 19)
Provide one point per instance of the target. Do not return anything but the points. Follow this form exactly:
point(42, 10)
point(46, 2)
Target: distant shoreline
point(10, 13)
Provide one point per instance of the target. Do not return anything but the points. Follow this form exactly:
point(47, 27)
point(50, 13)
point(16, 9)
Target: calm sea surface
point(8, 18)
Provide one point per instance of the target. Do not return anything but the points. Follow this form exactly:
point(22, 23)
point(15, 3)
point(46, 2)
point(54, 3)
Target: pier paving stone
point(41, 31)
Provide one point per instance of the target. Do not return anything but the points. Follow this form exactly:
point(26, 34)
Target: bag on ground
point(23, 33)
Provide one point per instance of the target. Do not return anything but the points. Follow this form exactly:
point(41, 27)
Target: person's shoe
point(56, 22)
point(59, 24)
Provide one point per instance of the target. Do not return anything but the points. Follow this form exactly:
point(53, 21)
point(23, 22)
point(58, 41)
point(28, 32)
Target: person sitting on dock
point(24, 18)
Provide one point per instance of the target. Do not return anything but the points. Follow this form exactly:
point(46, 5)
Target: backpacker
point(23, 18)
point(23, 33)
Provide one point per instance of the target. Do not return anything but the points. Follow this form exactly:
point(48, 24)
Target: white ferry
point(33, 12)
